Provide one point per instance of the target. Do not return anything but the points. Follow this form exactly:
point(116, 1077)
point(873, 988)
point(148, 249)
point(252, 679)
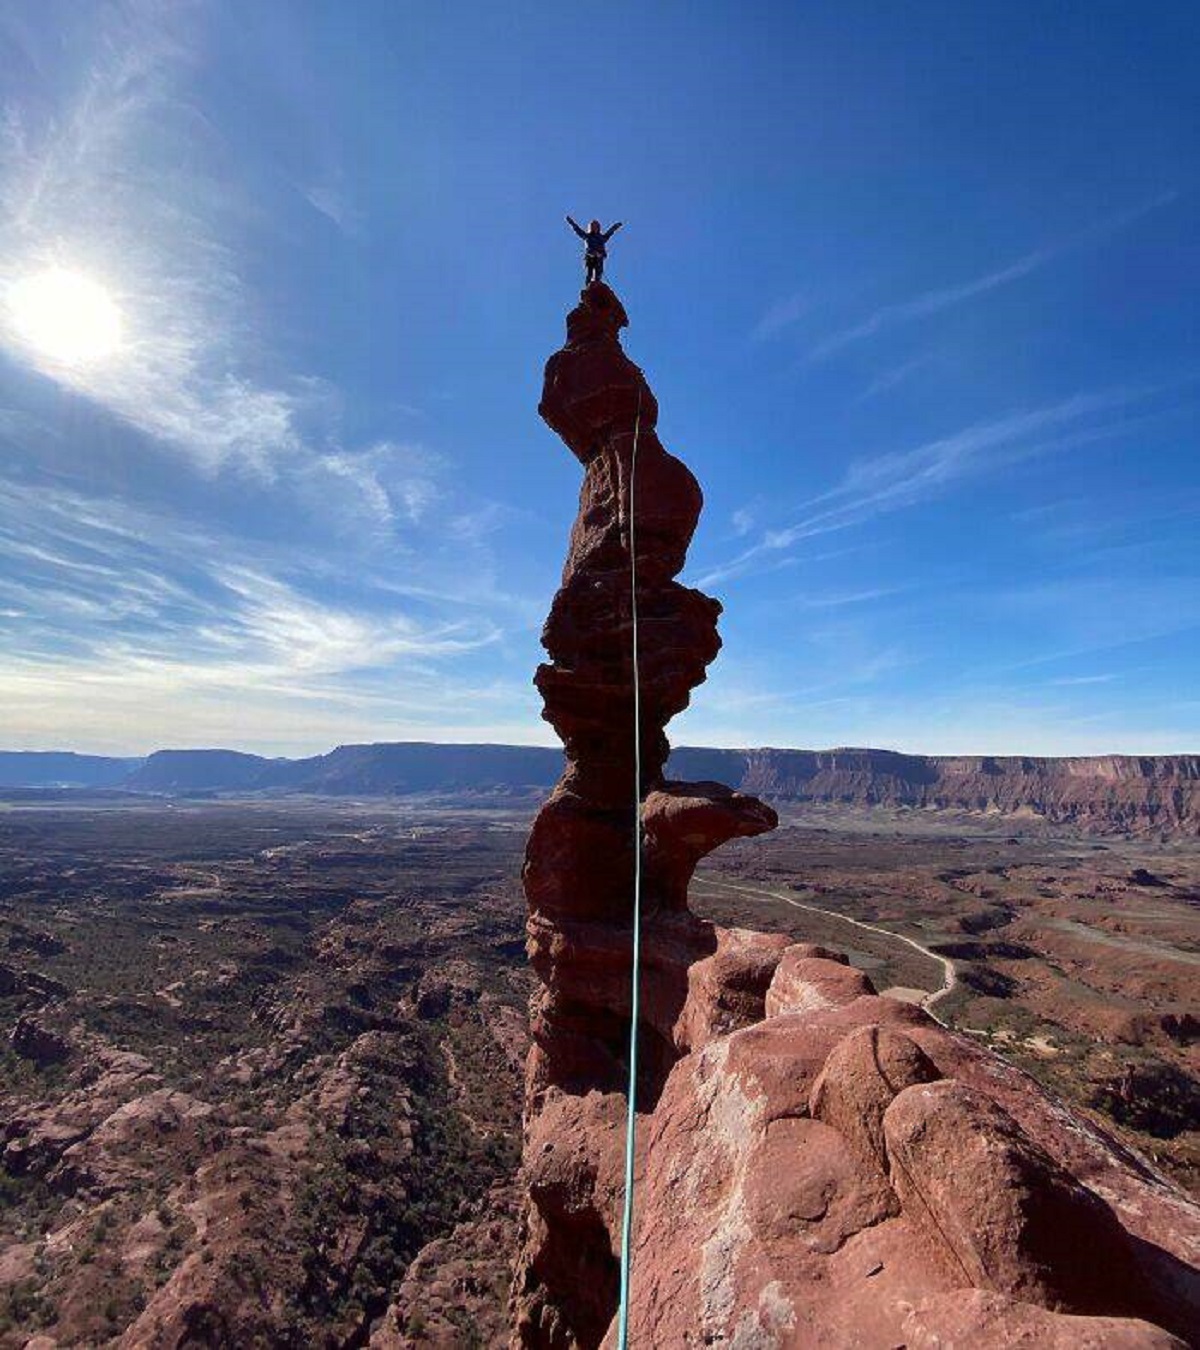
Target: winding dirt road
point(949, 974)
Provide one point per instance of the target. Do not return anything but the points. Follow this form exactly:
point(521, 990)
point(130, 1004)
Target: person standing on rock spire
point(595, 247)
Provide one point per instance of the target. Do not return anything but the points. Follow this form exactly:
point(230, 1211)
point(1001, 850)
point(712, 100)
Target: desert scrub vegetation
point(403, 1167)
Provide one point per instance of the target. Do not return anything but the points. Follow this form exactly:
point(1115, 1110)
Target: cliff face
point(817, 1165)
point(1147, 794)
point(1156, 795)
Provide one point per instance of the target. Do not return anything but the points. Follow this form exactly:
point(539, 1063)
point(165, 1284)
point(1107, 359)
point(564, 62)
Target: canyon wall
point(1147, 794)
point(1153, 795)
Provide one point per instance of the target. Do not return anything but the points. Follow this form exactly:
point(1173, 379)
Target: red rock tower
point(818, 1165)
point(579, 860)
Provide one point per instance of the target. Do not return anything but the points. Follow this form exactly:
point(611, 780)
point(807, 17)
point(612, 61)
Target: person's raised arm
point(574, 225)
point(612, 229)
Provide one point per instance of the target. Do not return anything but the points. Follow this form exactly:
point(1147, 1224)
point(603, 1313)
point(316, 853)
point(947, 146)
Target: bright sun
point(65, 315)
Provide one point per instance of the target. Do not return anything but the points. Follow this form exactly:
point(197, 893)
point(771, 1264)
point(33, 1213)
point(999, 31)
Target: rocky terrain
point(817, 1164)
point(1152, 795)
point(104, 910)
point(260, 1077)
point(1076, 958)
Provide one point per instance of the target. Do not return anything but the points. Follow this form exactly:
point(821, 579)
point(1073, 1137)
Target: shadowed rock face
point(816, 1165)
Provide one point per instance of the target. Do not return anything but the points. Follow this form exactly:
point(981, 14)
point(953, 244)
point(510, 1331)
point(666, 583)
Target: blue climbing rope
point(635, 974)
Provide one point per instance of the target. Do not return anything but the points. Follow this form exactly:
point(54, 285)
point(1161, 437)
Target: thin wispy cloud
point(1112, 525)
point(737, 567)
point(122, 182)
point(384, 488)
point(893, 378)
point(782, 315)
point(332, 202)
point(947, 297)
point(742, 520)
point(740, 565)
point(933, 301)
point(901, 477)
point(124, 609)
point(1094, 614)
point(897, 479)
point(840, 599)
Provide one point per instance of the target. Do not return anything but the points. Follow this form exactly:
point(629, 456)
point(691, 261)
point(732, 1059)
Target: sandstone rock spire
point(579, 861)
point(817, 1165)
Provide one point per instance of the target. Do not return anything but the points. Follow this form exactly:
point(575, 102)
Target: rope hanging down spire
point(635, 970)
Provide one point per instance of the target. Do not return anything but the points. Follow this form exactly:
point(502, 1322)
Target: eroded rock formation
point(579, 861)
point(817, 1165)
point(1155, 795)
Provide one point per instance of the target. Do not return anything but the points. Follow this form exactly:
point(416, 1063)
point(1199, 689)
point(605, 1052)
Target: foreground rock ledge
point(817, 1165)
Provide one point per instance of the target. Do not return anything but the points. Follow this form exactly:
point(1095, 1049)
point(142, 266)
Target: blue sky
point(916, 287)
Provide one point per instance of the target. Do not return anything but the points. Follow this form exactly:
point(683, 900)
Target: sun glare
point(65, 315)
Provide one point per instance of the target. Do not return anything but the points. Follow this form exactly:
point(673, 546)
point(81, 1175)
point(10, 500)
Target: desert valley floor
point(277, 1045)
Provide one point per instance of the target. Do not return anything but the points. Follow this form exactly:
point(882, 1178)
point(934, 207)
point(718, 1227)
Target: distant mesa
point(179, 771)
point(1136, 794)
point(63, 769)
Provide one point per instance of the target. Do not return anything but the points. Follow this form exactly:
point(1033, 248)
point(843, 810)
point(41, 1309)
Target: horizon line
point(535, 745)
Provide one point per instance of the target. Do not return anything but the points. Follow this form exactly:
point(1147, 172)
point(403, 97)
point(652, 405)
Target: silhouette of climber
point(594, 247)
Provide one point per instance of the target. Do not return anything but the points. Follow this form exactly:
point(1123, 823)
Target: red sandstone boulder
point(970, 1318)
point(763, 1225)
point(780, 1059)
point(574, 1169)
point(859, 1081)
point(808, 984)
point(111, 1158)
point(1006, 1215)
point(755, 1227)
point(35, 1041)
point(727, 990)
